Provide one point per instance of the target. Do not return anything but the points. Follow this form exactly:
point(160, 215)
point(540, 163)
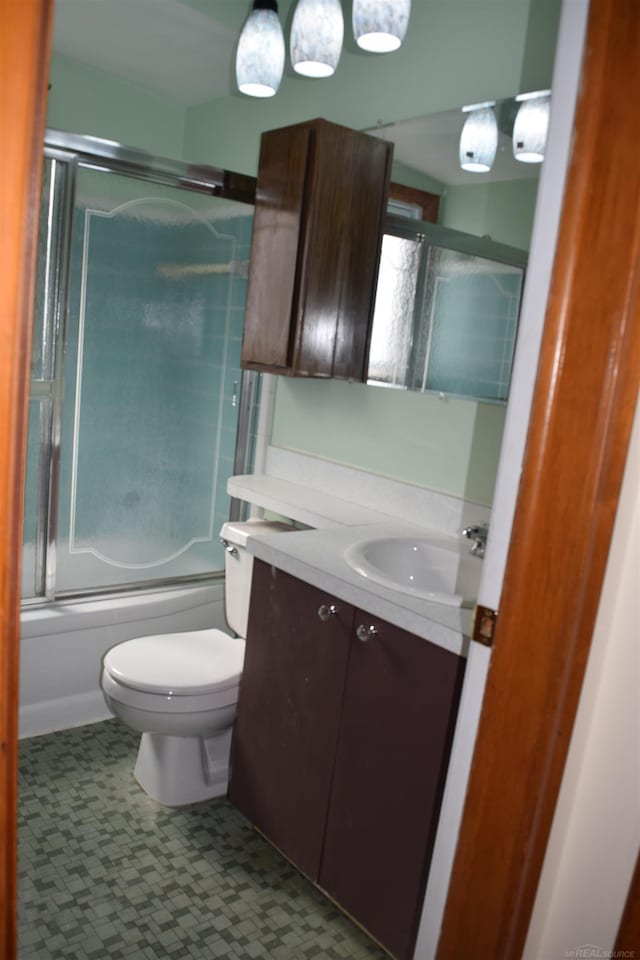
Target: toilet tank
point(238, 568)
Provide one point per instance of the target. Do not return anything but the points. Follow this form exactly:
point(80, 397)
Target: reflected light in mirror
point(479, 138)
point(531, 126)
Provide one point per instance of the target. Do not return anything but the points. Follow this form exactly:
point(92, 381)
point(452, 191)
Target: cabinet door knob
point(326, 611)
point(229, 547)
point(365, 633)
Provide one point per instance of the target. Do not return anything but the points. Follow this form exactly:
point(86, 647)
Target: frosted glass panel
point(158, 284)
point(473, 308)
point(392, 332)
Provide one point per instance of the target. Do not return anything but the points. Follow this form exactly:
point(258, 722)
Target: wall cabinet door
point(398, 714)
point(286, 728)
point(317, 231)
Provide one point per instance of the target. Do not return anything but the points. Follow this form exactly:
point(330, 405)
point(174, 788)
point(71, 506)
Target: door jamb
point(582, 414)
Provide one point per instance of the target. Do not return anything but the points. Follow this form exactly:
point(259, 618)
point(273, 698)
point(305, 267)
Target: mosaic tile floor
point(106, 873)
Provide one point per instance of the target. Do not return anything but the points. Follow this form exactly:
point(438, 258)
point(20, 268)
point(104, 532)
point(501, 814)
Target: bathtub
point(62, 645)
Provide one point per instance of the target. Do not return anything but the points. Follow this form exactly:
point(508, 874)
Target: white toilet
point(180, 689)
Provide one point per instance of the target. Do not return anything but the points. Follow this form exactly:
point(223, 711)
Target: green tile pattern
point(106, 873)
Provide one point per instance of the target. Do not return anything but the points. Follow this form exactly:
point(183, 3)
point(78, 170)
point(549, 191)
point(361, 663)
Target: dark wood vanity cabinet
point(317, 231)
point(341, 746)
point(286, 727)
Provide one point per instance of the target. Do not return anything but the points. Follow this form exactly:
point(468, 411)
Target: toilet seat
point(175, 672)
point(178, 664)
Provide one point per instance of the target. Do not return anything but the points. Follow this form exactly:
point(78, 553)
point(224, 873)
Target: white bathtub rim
point(65, 616)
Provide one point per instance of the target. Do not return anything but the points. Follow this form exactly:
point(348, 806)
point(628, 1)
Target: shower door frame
point(107, 156)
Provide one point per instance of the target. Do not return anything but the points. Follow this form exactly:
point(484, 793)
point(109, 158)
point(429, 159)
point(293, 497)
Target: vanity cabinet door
point(398, 715)
point(286, 727)
point(317, 232)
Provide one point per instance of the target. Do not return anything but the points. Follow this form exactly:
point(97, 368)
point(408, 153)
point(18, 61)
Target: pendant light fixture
point(315, 44)
point(531, 126)
point(260, 53)
point(380, 25)
point(479, 138)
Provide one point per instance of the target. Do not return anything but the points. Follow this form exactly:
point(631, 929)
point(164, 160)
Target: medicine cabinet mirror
point(449, 293)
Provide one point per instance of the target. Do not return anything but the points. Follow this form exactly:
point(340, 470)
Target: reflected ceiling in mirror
point(429, 146)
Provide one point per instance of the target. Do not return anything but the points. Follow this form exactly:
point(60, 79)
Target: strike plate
point(484, 625)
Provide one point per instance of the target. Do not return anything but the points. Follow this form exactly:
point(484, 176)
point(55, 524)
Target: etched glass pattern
point(530, 129)
point(479, 141)
point(316, 37)
point(392, 331)
point(380, 25)
point(152, 371)
point(260, 55)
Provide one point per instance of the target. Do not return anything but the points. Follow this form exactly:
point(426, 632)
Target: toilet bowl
point(180, 690)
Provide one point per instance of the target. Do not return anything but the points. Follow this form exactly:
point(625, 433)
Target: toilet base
point(177, 771)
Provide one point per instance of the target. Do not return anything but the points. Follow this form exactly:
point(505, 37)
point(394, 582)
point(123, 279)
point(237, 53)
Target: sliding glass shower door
point(148, 374)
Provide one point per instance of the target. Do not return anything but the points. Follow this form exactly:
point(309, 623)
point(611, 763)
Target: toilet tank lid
point(238, 532)
point(175, 664)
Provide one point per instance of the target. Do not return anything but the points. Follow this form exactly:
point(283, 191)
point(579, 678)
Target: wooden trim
point(583, 409)
point(429, 203)
point(25, 30)
point(628, 938)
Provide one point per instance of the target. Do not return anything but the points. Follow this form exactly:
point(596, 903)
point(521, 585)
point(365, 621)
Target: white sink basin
point(443, 572)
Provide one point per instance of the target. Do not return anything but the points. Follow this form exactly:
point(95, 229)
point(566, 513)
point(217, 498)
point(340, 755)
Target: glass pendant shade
point(317, 30)
point(260, 53)
point(380, 25)
point(479, 139)
point(531, 126)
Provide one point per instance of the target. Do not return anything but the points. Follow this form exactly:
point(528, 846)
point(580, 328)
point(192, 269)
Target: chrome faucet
point(478, 536)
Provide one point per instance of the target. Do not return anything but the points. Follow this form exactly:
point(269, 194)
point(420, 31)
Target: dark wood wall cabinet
point(340, 749)
point(320, 204)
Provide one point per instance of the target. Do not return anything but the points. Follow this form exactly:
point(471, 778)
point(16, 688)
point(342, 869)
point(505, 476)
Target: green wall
point(85, 100)
point(503, 211)
point(449, 445)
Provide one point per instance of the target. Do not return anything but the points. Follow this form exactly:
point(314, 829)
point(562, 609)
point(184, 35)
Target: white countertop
point(317, 555)
point(301, 503)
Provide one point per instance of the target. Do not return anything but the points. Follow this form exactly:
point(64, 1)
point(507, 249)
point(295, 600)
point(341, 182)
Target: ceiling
point(167, 46)
point(178, 51)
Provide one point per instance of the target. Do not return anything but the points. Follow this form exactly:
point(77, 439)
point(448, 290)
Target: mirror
point(449, 292)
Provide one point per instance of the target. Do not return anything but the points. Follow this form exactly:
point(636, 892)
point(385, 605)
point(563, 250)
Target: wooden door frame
point(25, 41)
point(588, 375)
point(583, 408)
